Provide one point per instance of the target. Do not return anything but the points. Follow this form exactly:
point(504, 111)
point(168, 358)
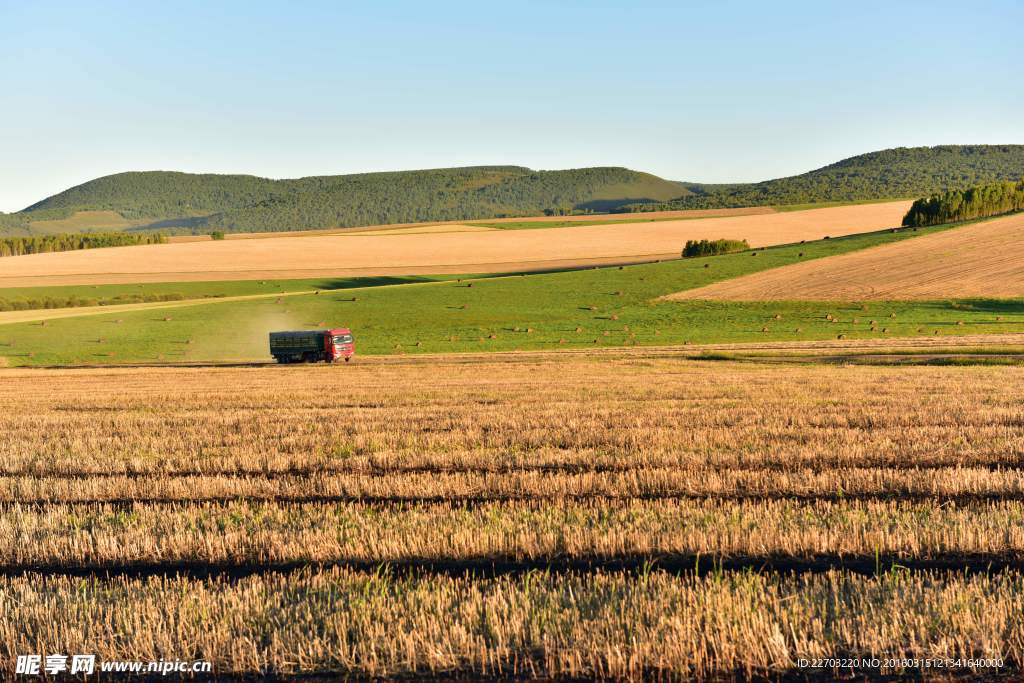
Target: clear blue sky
point(701, 91)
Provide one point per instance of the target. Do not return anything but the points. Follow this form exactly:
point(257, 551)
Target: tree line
point(991, 199)
point(20, 246)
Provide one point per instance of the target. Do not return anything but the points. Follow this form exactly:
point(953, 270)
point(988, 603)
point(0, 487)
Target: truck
point(312, 346)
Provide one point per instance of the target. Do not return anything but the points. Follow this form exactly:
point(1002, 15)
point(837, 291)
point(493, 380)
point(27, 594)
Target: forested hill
point(247, 203)
point(904, 172)
point(202, 203)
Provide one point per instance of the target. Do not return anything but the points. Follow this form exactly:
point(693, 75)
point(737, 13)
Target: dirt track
point(982, 260)
point(486, 251)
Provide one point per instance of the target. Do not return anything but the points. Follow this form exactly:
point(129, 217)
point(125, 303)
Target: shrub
point(217, 235)
point(695, 248)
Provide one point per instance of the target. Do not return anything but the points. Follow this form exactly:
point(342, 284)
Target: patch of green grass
point(609, 306)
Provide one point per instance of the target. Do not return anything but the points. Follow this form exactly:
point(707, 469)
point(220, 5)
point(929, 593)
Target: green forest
point(19, 246)
point(234, 203)
point(992, 199)
point(889, 174)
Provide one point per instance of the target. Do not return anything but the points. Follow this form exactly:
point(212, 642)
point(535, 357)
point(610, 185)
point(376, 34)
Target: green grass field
point(26, 298)
point(609, 306)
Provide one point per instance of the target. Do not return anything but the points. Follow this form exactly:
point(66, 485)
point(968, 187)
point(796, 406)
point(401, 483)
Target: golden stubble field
point(633, 515)
point(475, 251)
point(984, 260)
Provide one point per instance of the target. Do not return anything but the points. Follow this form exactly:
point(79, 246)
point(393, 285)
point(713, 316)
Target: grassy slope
point(452, 317)
point(123, 293)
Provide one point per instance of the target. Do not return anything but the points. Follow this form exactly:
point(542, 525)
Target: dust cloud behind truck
point(312, 346)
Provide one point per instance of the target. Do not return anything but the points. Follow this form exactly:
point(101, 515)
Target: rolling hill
point(238, 203)
point(904, 172)
point(453, 250)
point(184, 202)
point(981, 261)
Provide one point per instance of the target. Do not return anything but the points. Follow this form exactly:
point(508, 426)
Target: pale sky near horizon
point(709, 92)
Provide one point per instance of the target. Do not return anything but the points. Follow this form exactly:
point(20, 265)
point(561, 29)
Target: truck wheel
point(348, 358)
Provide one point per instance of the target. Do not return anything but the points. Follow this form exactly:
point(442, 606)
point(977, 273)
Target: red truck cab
point(339, 345)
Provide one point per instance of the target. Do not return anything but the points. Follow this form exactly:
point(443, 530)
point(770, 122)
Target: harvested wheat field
point(636, 515)
point(480, 251)
point(982, 260)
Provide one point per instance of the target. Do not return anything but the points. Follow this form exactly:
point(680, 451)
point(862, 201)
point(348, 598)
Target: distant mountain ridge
point(178, 202)
point(904, 172)
point(165, 199)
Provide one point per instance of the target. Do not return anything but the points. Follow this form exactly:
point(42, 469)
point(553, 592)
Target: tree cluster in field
point(19, 246)
point(74, 301)
point(961, 205)
point(889, 174)
point(695, 248)
point(231, 203)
